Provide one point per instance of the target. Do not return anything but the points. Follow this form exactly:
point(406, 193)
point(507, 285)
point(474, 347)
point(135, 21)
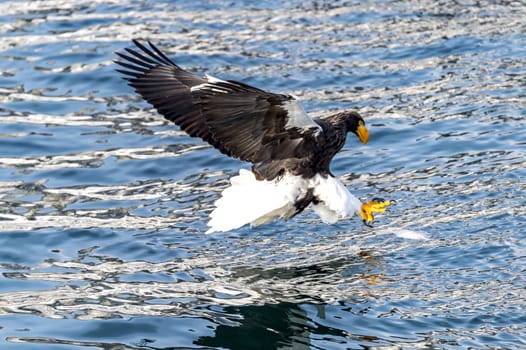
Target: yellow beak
point(363, 133)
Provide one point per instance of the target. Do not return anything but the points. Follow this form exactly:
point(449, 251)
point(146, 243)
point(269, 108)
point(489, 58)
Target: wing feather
point(240, 120)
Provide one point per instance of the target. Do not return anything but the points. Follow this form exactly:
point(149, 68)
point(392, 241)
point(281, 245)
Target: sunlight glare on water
point(103, 204)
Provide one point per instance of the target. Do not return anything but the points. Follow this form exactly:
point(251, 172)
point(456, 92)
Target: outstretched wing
point(240, 120)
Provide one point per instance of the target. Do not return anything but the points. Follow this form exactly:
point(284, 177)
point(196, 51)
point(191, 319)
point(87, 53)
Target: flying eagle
point(290, 152)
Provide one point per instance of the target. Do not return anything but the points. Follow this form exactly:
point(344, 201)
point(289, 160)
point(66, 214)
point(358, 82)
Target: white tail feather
point(249, 201)
point(256, 202)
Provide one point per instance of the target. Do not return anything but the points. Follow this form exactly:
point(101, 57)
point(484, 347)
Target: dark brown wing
point(167, 87)
point(241, 121)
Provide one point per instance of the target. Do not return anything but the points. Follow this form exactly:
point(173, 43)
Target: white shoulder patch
point(298, 118)
point(210, 85)
point(212, 79)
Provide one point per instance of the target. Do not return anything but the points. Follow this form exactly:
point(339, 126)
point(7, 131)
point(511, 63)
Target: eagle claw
point(376, 205)
point(367, 223)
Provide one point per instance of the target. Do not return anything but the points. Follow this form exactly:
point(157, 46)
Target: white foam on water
point(409, 234)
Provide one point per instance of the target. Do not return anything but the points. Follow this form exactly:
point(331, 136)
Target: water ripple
point(104, 204)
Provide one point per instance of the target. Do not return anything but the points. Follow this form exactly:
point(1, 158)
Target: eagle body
point(289, 151)
point(312, 157)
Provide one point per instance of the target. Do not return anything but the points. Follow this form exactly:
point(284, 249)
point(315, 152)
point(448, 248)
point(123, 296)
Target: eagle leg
point(303, 202)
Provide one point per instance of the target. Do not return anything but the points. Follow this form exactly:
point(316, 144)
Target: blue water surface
point(103, 204)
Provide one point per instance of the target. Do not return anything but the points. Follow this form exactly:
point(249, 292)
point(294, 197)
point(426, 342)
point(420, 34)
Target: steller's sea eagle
point(289, 151)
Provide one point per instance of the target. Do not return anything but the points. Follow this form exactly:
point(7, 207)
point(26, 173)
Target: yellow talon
point(377, 205)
